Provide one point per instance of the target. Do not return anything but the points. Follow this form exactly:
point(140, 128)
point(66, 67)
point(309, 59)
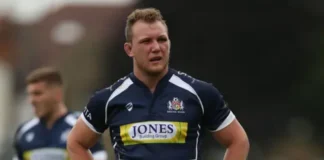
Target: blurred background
point(266, 57)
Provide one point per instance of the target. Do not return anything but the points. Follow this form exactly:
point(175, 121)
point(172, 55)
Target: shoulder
point(104, 94)
point(198, 86)
point(99, 99)
point(207, 94)
point(26, 126)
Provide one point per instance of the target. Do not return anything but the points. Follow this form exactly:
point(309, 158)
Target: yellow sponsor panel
point(154, 132)
point(46, 153)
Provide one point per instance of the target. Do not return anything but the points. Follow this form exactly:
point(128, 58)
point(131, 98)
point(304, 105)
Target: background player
point(44, 137)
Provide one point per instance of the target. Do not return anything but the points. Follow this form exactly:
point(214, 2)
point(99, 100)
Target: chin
point(39, 116)
point(156, 70)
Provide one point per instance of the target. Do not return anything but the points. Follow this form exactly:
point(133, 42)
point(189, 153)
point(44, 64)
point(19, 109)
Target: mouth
point(155, 59)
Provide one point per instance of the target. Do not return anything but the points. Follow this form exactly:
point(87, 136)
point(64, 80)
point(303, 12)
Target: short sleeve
point(217, 114)
point(94, 114)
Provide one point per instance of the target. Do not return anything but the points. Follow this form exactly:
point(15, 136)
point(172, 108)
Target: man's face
point(150, 47)
point(43, 97)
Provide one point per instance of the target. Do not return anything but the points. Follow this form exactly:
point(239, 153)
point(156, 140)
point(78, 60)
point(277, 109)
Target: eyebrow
point(147, 38)
point(144, 39)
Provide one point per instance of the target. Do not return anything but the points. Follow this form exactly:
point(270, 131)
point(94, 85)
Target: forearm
point(237, 151)
point(78, 152)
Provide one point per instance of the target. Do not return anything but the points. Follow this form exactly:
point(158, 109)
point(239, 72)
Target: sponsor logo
point(87, 113)
point(175, 106)
point(154, 132)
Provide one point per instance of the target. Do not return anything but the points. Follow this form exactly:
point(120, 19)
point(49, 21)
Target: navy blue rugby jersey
point(34, 141)
point(166, 124)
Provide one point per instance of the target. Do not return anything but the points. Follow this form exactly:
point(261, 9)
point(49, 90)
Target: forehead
point(143, 29)
point(37, 85)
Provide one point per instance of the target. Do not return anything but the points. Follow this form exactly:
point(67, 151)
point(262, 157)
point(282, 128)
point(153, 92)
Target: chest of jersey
point(171, 104)
point(40, 142)
point(168, 116)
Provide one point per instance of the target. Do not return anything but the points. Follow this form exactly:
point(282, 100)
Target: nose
point(32, 100)
point(155, 47)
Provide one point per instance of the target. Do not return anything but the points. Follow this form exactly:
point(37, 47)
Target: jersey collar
point(161, 84)
point(58, 121)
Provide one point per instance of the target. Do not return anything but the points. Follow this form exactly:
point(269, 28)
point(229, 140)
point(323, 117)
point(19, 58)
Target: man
point(156, 112)
point(45, 137)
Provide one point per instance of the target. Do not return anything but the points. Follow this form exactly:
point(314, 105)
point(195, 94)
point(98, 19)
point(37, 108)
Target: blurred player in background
point(44, 137)
point(156, 112)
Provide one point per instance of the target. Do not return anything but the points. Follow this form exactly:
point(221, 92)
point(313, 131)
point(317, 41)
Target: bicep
point(217, 114)
point(82, 134)
point(232, 133)
point(221, 121)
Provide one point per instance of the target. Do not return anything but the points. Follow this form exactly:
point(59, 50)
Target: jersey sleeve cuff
point(229, 119)
point(89, 124)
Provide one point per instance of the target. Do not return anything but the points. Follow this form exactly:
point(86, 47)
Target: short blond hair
point(49, 75)
point(148, 15)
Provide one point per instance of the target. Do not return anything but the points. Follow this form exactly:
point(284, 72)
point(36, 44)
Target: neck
point(150, 81)
point(59, 112)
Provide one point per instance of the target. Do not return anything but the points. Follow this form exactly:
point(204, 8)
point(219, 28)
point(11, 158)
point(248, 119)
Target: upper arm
point(233, 133)
point(94, 114)
point(83, 135)
point(217, 114)
point(220, 120)
point(91, 124)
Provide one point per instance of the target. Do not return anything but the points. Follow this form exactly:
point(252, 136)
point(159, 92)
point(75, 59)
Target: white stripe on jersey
point(89, 124)
point(27, 126)
point(182, 84)
point(229, 119)
point(123, 87)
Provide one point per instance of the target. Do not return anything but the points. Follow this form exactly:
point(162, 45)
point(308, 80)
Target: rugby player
point(156, 112)
point(44, 137)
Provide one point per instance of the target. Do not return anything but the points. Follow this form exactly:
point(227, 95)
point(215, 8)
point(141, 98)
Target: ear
point(58, 93)
point(169, 45)
point(128, 49)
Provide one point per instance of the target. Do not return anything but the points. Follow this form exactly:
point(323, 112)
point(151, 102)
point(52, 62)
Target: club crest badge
point(175, 106)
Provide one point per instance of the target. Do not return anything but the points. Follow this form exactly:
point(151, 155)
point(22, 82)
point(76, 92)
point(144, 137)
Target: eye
point(162, 39)
point(146, 40)
point(36, 93)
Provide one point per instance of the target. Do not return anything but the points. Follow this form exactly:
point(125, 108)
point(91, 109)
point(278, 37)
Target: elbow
point(71, 144)
point(243, 143)
point(75, 146)
point(246, 144)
